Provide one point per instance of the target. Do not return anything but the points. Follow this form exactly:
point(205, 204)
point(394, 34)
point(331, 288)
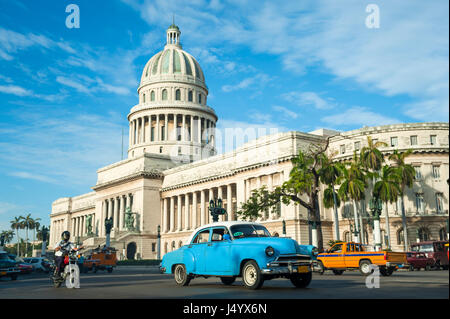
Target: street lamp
point(158, 249)
point(376, 206)
point(215, 208)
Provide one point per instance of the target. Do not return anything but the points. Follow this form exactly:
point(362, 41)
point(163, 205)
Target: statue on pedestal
point(89, 225)
point(129, 219)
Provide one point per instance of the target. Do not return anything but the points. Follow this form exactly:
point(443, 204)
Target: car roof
point(218, 224)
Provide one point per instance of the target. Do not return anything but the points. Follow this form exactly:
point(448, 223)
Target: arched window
point(400, 237)
point(424, 234)
point(173, 246)
point(164, 95)
point(190, 96)
point(143, 98)
point(178, 95)
point(180, 244)
point(199, 99)
point(152, 95)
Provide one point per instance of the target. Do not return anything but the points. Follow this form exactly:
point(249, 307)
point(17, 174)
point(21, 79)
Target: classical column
point(165, 212)
point(191, 137)
point(186, 211)
point(183, 128)
point(240, 193)
point(202, 207)
point(199, 129)
point(121, 211)
point(116, 213)
point(172, 214)
point(230, 202)
point(194, 210)
point(157, 135)
point(134, 131)
point(129, 133)
point(210, 196)
point(270, 187)
point(166, 128)
point(179, 212)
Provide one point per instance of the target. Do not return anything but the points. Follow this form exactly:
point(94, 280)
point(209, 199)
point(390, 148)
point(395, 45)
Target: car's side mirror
point(227, 237)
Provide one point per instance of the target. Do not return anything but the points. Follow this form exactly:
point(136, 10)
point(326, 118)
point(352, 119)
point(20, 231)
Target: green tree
point(28, 223)
point(387, 189)
point(9, 235)
point(353, 187)
point(304, 181)
point(17, 224)
point(406, 173)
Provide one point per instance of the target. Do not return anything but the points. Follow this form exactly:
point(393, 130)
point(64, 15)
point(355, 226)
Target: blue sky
point(290, 65)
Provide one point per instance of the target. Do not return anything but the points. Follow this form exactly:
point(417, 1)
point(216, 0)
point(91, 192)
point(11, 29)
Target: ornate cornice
point(128, 178)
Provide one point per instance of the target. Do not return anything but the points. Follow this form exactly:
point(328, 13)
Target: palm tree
point(16, 224)
point(7, 235)
point(406, 173)
point(329, 174)
point(352, 188)
point(28, 223)
point(371, 157)
point(387, 189)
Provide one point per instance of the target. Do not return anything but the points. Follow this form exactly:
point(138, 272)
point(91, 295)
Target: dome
point(173, 63)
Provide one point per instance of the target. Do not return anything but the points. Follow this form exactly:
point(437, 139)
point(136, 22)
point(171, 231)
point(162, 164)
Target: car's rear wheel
point(301, 280)
point(181, 276)
point(365, 268)
point(251, 275)
point(228, 280)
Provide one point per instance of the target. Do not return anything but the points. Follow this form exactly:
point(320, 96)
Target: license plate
point(303, 269)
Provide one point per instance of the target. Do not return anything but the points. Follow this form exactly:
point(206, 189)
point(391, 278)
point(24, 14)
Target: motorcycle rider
point(61, 250)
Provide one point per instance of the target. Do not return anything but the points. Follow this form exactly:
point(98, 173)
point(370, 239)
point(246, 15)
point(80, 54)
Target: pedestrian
point(80, 263)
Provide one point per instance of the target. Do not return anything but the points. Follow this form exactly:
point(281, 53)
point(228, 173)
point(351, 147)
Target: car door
point(197, 248)
point(351, 258)
point(218, 253)
point(334, 257)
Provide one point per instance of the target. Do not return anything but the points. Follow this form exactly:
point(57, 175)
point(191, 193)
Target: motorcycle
point(71, 273)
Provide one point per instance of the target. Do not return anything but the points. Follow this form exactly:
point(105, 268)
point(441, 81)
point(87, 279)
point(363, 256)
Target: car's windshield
point(249, 230)
point(424, 248)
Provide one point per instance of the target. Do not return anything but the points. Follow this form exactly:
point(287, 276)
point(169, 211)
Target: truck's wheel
point(338, 272)
point(301, 280)
point(228, 280)
point(181, 276)
point(364, 267)
point(251, 275)
point(110, 270)
point(386, 271)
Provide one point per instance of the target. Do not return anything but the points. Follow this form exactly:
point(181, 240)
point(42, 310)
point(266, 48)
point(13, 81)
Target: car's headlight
point(315, 251)
point(270, 251)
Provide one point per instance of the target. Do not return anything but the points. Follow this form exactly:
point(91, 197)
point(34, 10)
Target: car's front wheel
point(228, 280)
point(181, 276)
point(251, 275)
point(301, 280)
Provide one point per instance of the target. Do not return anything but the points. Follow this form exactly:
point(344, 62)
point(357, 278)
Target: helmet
point(65, 235)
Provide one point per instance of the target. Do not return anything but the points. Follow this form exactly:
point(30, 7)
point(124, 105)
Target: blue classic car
point(239, 249)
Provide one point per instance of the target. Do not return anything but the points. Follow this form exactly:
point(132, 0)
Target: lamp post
point(284, 228)
point(158, 248)
point(376, 206)
point(314, 237)
point(215, 208)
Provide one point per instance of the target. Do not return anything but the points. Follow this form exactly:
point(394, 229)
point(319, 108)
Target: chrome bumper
point(276, 268)
point(162, 270)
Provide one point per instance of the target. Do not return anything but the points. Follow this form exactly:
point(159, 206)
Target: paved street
point(146, 282)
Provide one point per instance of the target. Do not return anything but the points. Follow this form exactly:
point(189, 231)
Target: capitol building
point(173, 170)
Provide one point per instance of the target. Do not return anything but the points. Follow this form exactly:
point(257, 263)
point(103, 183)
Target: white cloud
point(27, 175)
point(285, 112)
point(308, 99)
point(256, 81)
point(15, 90)
point(358, 116)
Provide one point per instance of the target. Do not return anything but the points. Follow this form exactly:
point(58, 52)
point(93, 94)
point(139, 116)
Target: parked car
point(40, 264)
point(417, 261)
point(435, 250)
point(8, 267)
point(349, 255)
point(239, 249)
point(24, 267)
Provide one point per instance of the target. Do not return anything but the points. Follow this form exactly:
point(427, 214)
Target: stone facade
point(172, 170)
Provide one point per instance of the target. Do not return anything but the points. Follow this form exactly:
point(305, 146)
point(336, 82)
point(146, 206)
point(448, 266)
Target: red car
point(435, 250)
point(418, 260)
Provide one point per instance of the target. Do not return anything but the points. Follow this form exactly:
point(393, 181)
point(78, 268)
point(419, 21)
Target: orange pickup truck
point(349, 255)
point(104, 260)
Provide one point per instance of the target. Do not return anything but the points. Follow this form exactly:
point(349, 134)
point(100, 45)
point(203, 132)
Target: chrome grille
point(292, 258)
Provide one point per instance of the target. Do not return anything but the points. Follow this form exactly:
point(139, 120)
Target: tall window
point(163, 129)
point(190, 96)
point(413, 140)
point(394, 141)
point(418, 173)
point(152, 134)
point(419, 203)
point(143, 98)
point(436, 171)
point(433, 139)
point(152, 96)
point(199, 99)
point(178, 95)
point(164, 95)
point(400, 237)
point(439, 202)
point(342, 147)
point(424, 234)
point(357, 146)
point(442, 234)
